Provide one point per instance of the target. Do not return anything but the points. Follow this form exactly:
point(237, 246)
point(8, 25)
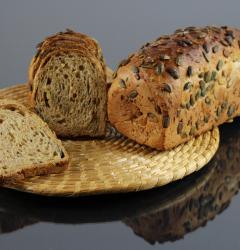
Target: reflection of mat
point(117, 164)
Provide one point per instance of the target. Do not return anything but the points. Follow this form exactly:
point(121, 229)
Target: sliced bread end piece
point(27, 146)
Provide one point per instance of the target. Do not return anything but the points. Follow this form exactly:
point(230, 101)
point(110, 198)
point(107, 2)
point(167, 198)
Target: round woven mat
point(116, 164)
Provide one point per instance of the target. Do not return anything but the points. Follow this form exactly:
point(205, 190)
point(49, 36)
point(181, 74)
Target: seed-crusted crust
point(54, 166)
point(177, 86)
point(65, 43)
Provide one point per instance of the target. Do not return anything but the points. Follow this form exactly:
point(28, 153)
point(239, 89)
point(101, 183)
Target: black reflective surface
point(200, 212)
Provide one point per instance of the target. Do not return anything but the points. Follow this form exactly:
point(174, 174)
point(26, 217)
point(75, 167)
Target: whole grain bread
point(27, 146)
point(67, 79)
point(177, 86)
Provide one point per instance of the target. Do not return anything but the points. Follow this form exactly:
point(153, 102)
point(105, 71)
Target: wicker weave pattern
point(117, 164)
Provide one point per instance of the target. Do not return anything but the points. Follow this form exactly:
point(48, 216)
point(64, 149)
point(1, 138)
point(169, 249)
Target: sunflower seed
point(166, 121)
point(173, 72)
point(160, 68)
point(187, 86)
point(133, 94)
point(197, 124)
point(122, 83)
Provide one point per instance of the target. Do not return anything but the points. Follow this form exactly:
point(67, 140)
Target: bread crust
point(177, 87)
point(54, 166)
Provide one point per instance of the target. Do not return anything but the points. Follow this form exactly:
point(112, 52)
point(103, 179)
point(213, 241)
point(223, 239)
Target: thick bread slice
point(177, 87)
point(67, 79)
point(27, 146)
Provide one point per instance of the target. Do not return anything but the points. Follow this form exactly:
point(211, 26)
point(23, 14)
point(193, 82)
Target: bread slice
point(68, 87)
point(27, 146)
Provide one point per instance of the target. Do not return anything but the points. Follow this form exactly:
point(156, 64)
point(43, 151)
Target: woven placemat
point(116, 164)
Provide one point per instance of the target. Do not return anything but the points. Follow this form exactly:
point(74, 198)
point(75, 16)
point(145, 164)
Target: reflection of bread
point(173, 222)
point(12, 222)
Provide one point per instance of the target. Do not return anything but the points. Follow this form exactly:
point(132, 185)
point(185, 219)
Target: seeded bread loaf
point(67, 80)
point(177, 86)
point(27, 146)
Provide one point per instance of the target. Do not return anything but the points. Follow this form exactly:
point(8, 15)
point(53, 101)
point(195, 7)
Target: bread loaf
point(27, 145)
point(177, 86)
point(67, 80)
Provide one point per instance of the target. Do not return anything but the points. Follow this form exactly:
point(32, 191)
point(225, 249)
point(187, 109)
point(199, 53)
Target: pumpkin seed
point(205, 56)
point(180, 127)
point(135, 69)
point(207, 100)
point(214, 74)
point(215, 49)
point(206, 118)
point(133, 94)
point(166, 121)
point(219, 65)
point(192, 100)
point(229, 40)
point(230, 111)
point(179, 60)
point(164, 57)
point(187, 86)
point(192, 130)
point(122, 83)
point(173, 72)
point(189, 71)
point(167, 88)
point(205, 47)
point(207, 76)
point(158, 109)
point(160, 68)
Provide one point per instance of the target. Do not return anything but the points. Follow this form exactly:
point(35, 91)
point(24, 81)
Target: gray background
point(121, 26)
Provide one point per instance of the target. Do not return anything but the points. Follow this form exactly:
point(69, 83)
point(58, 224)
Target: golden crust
point(177, 87)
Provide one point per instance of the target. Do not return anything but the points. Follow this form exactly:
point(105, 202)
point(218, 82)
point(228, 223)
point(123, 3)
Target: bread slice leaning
point(27, 146)
point(68, 89)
